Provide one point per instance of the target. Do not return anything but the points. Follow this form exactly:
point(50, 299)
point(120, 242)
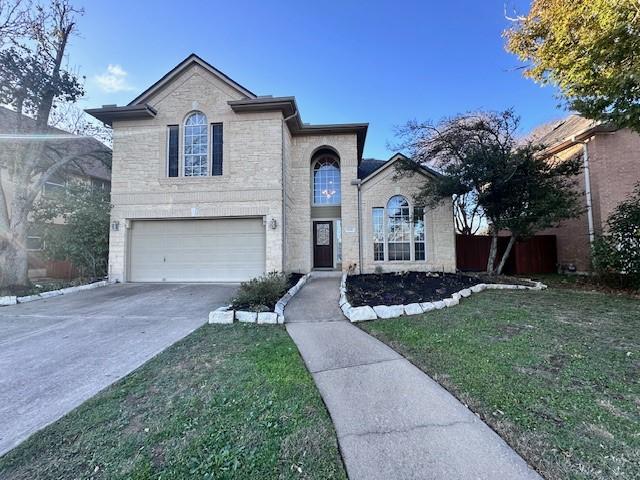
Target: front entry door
point(323, 244)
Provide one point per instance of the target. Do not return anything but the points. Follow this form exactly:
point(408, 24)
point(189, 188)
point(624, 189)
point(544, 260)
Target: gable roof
point(429, 172)
point(567, 132)
point(368, 166)
point(92, 167)
point(192, 59)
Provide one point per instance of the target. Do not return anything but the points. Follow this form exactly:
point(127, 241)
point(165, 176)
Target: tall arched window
point(326, 181)
point(398, 228)
point(195, 145)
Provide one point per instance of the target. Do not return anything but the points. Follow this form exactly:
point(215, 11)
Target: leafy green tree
point(83, 239)
point(518, 190)
point(589, 49)
point(617, 251)
point(33, 80)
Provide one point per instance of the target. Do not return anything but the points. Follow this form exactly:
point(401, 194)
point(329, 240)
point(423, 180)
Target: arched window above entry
point(326, 181)
point(195, 145)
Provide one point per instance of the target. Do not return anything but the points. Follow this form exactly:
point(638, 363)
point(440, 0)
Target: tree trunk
point(505, 255)
point(493, 251)
point(14, 266)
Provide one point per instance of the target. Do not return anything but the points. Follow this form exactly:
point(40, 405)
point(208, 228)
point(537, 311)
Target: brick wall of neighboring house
point(614, 167)
point(439, 226)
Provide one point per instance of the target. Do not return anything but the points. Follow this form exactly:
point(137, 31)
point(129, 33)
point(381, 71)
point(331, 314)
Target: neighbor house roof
point(567, 132)
point(92, 167)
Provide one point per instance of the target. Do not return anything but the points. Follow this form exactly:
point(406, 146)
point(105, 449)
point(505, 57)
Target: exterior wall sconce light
point(115, 226)
point(273, 224)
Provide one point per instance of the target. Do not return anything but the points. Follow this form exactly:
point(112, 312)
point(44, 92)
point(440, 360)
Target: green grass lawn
point(556, 373)
point(226, 402)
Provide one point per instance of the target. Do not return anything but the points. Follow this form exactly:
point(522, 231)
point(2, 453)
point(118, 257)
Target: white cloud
point(113, 80)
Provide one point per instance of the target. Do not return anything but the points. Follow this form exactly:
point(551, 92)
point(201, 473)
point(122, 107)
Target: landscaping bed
point(43, 286)
point(413, 287)
point(227, 402)
point(261, 294)
point(556, 373)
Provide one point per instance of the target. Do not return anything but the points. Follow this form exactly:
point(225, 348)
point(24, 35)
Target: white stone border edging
point(224, 315)
point(12, 300)
point(359, 314)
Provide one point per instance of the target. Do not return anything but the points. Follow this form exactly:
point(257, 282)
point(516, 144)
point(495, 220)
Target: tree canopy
point(518, 189)
point(589, 49)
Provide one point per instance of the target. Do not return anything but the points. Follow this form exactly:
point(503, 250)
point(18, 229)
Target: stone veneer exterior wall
point(255, 145)
point(439, 226)
point(251, 184)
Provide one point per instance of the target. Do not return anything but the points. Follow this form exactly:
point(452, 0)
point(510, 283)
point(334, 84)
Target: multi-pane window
point(195, 145)
point(378, 234)
point(418, 234)
point(398, 229)
point(326, 182)
point(339, 241)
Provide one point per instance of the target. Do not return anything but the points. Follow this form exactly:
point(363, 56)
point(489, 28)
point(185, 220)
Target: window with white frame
point(378, 234)
point(195, 145)
point(398, 234)
point(326, 181)
point(398, 229)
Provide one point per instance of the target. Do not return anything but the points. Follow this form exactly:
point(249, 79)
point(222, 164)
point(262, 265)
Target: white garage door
point(229, 250)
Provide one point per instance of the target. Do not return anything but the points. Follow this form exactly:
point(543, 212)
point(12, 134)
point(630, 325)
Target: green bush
point(616, 254)
point(262, 293)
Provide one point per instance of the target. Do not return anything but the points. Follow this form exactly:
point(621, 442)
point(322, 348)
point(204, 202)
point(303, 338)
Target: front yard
point(556, 373)
point(227, 402)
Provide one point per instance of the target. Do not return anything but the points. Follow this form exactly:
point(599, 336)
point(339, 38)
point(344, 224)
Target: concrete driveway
point(58, 352)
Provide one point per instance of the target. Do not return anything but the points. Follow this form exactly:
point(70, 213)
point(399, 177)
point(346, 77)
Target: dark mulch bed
point(412, 287)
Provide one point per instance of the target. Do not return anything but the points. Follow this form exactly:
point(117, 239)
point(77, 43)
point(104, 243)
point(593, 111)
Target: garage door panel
point(229, 250)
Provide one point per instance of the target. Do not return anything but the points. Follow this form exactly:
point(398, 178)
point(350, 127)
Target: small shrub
point(262, 293)
point(616, 254)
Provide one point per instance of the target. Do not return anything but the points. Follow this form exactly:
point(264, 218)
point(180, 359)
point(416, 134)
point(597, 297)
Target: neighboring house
point(89, 170)
point(612, 168)
point(214, 183)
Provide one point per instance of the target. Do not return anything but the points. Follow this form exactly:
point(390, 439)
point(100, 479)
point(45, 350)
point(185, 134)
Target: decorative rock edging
point(359, 314)
point(224, 315)
point(12, 300)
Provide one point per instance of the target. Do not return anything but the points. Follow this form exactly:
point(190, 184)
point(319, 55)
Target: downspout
point(284, 191)
point(587, 190)
point(358, 183)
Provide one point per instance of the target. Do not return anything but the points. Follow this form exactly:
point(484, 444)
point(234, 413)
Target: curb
point(360, 314)
point(224, 315)
point(12, 300)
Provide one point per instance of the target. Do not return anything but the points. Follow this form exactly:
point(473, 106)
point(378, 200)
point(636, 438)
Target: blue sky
point(344, 61)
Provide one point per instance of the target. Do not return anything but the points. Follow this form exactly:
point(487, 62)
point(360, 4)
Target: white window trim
point(313, 181)
point(183, 133)
point(412, 242)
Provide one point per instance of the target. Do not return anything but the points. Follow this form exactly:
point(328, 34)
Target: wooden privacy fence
point(537, 254)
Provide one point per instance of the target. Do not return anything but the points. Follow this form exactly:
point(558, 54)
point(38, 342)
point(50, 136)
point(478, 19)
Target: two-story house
point(611, 169)
point(211, 182)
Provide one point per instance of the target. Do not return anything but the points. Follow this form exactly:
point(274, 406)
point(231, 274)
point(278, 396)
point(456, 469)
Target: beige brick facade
point(439, 226)
point(266, 174)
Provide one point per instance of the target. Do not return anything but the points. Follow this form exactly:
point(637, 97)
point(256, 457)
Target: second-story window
point(195, 145)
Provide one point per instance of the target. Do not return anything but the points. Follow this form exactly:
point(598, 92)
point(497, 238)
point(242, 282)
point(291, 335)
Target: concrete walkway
point(392, 420)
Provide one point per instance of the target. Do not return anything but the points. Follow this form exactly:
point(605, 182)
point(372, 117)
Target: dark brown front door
point(323, 244)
